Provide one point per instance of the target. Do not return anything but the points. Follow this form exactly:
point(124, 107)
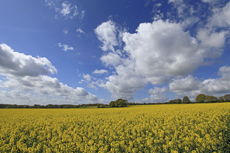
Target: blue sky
point(75, 52)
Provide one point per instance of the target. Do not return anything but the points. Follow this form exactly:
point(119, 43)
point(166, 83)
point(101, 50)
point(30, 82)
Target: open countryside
point(147, 128)
point(115, 76)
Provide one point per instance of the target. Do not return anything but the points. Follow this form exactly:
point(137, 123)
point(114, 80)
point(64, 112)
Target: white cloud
point(87, 77)
point(82, 14)
point(65, 47)
point(158, 94)
point(213, 35)
point(209, 1)
point(65, 8)
point(157, 90)
point(24, 73)
point(184, 13)
point(173, 1)
point(221, 17)
point(17, 97)
point(18, 64)
point(214, 39)
point(91, 85)
point(106, 33)
point(158, 98)
point(157, 12)
point(80, 30)
point(189, 22)
point(191, 86)
point(50, 3)
point(220, 85)
point(111, 59)
point(100, 71)
point(158, 4)
point(162, 49)
point(81, 91)
point(125, 84)
point(157, 52)
point(180, 6)
point(75, 13)
point(186, 84)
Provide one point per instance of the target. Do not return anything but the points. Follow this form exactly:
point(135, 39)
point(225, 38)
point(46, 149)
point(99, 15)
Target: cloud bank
point(28, 76)
point(162, 52)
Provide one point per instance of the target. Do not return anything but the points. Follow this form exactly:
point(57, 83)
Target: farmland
point(148, 128)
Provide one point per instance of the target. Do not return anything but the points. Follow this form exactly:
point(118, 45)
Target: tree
point(36, 106)
point(121, 102)
point(178, 101)
point(210, 99)
point(118, 103)
point(175, 101)
point(200, 98)
point(225, 98)
point(101, 106)
point(186, 100)
point(112, 104)
point(171, 102)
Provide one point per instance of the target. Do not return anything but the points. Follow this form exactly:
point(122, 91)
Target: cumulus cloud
point(220, 85)
point(112, 59)
point(213, 35)
point(100, 71)
point(16, 97)
point(65, 47)
point(18, 64)
point(221, 17)
point(125, 82)
point(124, 85)
point(186, 84)
point(158, 98)
point(157, 90)
point(214, 39)
point(162, 49)
point(191, 86)
point(106, 33)
point(158, 94)
point(157, 52)
point(24, 73)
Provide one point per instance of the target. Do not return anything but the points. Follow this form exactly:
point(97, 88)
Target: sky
point(85, 52)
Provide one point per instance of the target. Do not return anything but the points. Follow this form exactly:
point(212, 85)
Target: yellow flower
point(186, 148)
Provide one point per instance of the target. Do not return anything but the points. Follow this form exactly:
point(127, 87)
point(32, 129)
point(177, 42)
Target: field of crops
point(149, 128)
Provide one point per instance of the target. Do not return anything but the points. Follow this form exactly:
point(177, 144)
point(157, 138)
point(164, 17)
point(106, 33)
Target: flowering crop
point(150, 128)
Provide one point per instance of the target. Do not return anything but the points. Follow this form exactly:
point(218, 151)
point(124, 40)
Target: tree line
point(50, 106)
point(201, 98)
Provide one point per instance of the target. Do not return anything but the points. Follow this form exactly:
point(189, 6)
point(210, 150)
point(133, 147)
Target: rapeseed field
point(169, 128)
